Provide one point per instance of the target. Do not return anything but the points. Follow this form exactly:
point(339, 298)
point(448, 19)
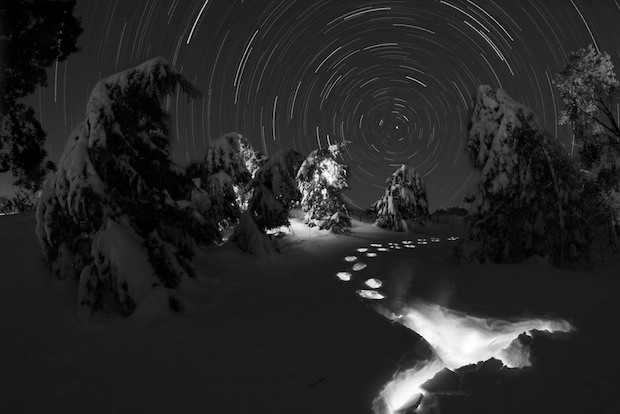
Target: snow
point(282, 334)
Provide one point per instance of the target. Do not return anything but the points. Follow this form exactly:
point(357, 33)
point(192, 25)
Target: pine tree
point(34, 35)
point(275, 189)
point(117, 215)
point(404, 199)
point(321, 178)
point(528, 200)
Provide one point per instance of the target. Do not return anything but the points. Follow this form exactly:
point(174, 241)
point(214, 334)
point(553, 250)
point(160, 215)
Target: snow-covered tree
point(275, 189)
point(221, 170)
point(321, 179)
point(253, 161)
point(528, 200)
point(589, 90)
point(404, 199)
point(116, 214)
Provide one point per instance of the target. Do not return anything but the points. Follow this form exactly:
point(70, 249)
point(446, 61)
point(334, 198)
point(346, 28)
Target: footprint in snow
point(374, 283)
point(350, 258)
point(344, 276)
point(370, 294)
point(359, 266)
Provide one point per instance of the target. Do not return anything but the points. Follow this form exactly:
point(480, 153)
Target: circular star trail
point(395, 78)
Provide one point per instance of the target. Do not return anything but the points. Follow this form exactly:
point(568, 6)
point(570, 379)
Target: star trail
point(393, 77)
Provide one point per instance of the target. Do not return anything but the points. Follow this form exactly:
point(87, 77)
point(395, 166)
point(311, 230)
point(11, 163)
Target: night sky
point(393, 77)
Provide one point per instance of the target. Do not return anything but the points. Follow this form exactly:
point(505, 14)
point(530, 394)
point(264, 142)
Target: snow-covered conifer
point(404, 199)
point(115, 214)
point(321, 179)
point(221, 170)
point(253, 161)
point(275, 189)
point(528, 199)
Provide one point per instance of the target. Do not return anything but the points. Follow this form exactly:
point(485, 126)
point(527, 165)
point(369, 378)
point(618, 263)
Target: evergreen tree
point(221, 174)
point(33, 36)
point(528, 200)
point(404, 199)
point(275, 189)
point(321, 178)
point(253, 161)
point(117, 215)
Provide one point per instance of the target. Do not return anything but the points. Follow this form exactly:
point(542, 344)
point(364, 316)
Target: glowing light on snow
point(359, 266)
point(362, 249)
point(405, 389)
point(371, 254)
point(457, 340)
point(375, 244)
point(344, 276)
point(370, 294)
point(410, 246)
point(350, 258)
point(374, 283)
point(382, 249)
point(435, 239)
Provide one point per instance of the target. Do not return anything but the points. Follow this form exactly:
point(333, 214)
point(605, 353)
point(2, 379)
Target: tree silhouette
point(33, 36)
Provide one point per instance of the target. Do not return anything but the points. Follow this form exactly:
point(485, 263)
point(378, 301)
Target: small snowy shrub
point(116, 215)
point(320, 179)
point(404, 199)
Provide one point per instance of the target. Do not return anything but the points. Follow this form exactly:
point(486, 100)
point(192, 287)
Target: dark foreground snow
point(284, 334)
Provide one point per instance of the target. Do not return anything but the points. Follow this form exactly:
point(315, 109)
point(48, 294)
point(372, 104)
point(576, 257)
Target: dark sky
point(393, 77)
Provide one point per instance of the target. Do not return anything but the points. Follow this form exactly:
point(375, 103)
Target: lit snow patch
point(370, 294)
point(350, 258)
point(382, 249)
point(359, 266)
point(362, 249)
point(435, 239)
point(453, 238)
point(371, 254)
point(375, 244)
point(407, 242)
point(344, 276)
point(457, 340)
point(374, 283)
point(410, 246)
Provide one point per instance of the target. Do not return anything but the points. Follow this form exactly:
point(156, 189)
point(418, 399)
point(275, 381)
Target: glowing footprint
point(362, 249)
point(375, 244)
point(350, 258)
point(359, 266)
point(371, 254)
point(370, 294)
point(344, 276)
point(382, 249)
point(374, 283)
point(410, 246)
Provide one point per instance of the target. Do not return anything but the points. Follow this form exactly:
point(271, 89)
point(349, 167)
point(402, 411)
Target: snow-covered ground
point(284, 334)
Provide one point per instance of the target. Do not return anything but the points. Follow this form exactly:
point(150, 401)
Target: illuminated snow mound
point(460, 339)
point(350, 258)
point(370, 294)
point(457, 340)
point(405, 389)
